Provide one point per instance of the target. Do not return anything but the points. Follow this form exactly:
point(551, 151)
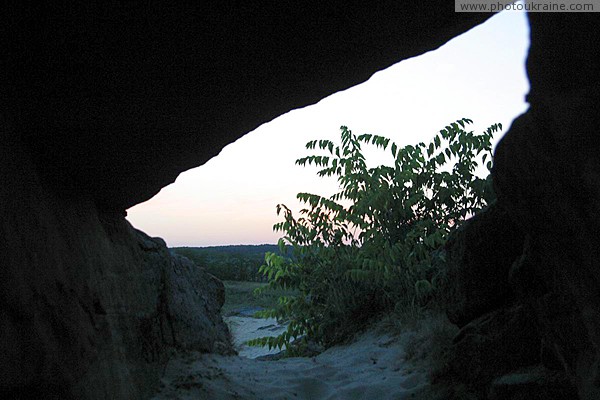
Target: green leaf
point(281, 245)
point(430, 150)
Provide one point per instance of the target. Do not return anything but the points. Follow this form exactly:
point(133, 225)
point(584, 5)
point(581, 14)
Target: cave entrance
point(221, 215)
point(231, 199)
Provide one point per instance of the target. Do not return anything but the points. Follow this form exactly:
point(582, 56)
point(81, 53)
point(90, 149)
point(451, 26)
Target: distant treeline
point(231, 263)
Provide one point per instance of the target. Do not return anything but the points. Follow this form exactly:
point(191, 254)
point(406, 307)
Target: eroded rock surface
point(547, 176)
point(479, 256)
point(495, 344)
point(90, 307)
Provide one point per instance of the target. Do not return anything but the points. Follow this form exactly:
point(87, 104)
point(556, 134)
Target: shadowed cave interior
point(105, 104)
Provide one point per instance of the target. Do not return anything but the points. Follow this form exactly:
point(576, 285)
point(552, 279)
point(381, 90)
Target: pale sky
point(232, 198)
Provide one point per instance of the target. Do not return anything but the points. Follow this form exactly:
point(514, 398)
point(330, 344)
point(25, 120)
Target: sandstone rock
point(492, 345)
point(547, 176)
point(478, 259)
point(195, 299)
point(89, 307)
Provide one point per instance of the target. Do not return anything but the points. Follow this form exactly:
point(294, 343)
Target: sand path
point(372, 367)
point(244, 327)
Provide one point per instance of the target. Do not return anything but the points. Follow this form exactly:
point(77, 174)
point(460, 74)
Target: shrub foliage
point(377, 243)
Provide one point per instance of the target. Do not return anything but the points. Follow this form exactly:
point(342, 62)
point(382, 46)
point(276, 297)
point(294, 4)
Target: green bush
point(377, 243)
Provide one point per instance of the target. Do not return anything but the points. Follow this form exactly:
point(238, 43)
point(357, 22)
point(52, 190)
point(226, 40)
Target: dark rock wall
point(492, 292)
point(547, 176)
point(89, 307)
point(478, 260)
point(547, 179)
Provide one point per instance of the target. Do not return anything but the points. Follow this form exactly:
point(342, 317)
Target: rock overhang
point(116, 99)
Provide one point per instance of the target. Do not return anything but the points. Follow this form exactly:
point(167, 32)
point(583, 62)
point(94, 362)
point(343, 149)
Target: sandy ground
point(372, 367)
